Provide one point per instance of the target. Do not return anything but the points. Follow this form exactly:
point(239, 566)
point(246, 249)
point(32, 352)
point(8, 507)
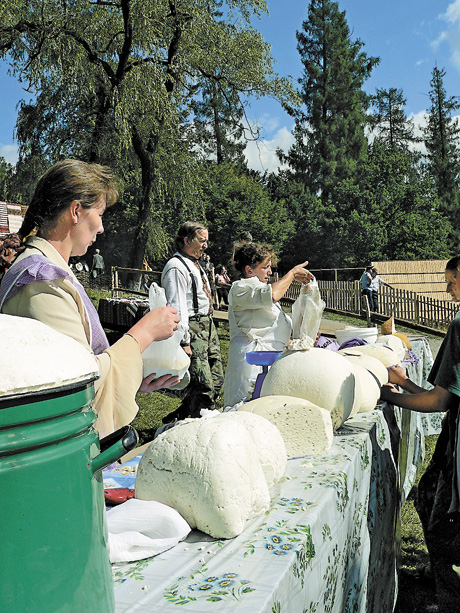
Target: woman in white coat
point(257, 321)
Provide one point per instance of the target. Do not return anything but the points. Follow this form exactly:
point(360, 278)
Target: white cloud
point(452, 34)
point(10, 153)
point(261, 155)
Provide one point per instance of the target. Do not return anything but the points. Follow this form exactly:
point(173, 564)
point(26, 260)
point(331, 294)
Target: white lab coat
point(256, 324)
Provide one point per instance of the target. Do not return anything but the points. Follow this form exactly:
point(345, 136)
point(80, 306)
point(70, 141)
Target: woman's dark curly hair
point(251, 254)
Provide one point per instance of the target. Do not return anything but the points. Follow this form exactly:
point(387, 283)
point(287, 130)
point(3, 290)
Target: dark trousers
point(368, 293)
point(441, 528)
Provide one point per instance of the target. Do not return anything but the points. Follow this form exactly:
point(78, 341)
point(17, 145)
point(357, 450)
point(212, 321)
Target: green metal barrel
point(53, 535)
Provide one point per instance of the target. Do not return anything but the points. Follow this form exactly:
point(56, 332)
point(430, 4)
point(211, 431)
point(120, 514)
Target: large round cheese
point(268, 443)
point(322, 377)
point(209, 470)
point(395, 343)
point(369, 387)
point(372, 364)
point(381, 352)
point(305, 427)
point(36, 358)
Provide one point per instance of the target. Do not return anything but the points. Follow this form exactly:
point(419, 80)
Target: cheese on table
point(386, 355)
point(325, 378)
point(372, 364)
point(306, 428)
point(213, 472)
point(35, 357)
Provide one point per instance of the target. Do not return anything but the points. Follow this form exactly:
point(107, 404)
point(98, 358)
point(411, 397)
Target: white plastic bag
point(306, 314)
point(164, 357)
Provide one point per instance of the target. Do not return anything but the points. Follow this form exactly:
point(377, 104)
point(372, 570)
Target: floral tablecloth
point(327, 543)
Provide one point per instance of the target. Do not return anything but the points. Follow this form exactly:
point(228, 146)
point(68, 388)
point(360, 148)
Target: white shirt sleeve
point(175, 285)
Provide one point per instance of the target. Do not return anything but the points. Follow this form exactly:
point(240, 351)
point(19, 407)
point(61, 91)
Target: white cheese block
point(322, 377)
point(305, 427)
point(36, 358)
point(268, 443)
point(393, 342)
point(372, 364)
point(369, 387)
point(381, 352)
point(209, 471)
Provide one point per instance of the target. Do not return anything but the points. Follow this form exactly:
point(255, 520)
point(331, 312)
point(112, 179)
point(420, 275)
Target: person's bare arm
point(424, 401)
point(298, 273)
point(156, 325)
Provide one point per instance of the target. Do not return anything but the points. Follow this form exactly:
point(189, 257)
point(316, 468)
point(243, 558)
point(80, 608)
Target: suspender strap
point(194, 290)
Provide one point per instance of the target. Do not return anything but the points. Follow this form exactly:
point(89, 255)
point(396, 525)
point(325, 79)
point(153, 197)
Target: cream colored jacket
point(59, 305)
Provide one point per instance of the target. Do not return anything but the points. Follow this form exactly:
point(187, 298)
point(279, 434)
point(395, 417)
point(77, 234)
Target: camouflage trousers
point(206, 373)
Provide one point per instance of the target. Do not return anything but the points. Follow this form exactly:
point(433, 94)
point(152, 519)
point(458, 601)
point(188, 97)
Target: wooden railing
point(403, 305)
point(343, 296)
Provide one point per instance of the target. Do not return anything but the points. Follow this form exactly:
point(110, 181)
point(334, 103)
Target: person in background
point(438, 502)
point(188, 290)
point(366, 280)
point(66, 213)
point(257, 321)
point(223, 284)
point(374, 287)
point(98, 265)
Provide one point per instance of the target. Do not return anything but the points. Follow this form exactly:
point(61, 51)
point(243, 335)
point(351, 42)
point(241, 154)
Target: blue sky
point(410, 37)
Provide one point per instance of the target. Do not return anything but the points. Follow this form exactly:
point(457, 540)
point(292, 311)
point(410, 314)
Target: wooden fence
point(408, 306)
point(343, 296)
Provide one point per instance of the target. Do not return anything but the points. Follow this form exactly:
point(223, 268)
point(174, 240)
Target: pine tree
point(443, 155)
point(329, 128)
point(218, 124)
point(393, 128)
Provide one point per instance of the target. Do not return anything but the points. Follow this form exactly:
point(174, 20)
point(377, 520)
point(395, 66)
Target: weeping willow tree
point(116, 82)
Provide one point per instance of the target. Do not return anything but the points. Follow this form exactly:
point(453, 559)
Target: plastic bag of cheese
point(216, 472)
point(165, 357)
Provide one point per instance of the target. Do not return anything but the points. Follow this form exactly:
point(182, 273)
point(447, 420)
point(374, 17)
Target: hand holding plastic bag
point(306, 316)
point(164, 357)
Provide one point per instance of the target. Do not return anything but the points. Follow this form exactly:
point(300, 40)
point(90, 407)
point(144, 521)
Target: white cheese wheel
point(305, 427)
point(395, 343)
point(209, 471)
point(35, 357)
point(268, 443)
point(369, 387)
point(385, 354)
point(372, 364)
point(322, 377)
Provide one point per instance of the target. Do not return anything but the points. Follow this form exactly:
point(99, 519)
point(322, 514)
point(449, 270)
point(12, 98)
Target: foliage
point(389, 212)
point(329, 128)
point(393, 128)
point(443, 155)
point(307, 239)
point(235, 201)
point(116, 83)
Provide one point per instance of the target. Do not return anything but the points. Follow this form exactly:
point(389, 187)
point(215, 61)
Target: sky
point(410, 37)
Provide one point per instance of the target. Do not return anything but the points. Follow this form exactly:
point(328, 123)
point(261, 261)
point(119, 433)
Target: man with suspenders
point(187, 289)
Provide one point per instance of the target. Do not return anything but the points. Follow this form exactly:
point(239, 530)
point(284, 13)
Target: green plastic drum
point(54, 554)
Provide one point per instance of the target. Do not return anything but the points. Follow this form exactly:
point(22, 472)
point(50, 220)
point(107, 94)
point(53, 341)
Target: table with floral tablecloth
point(328, 543)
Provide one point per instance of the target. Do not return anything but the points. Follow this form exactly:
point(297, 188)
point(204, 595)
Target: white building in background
point(11, 216)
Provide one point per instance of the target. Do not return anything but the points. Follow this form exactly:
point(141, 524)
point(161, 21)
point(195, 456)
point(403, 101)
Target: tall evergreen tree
point(218, 124)
point(329, 128)
point(393, 128)
point(443, 154)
